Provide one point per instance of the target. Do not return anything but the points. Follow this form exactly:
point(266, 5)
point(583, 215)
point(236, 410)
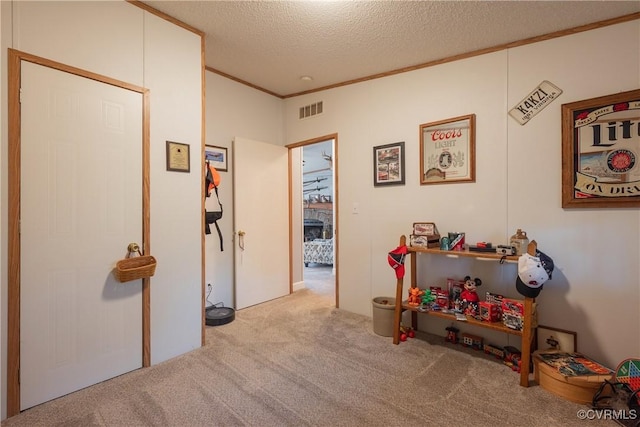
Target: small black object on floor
point(216, 316)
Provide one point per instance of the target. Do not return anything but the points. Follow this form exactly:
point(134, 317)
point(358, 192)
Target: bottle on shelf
point(520, 241)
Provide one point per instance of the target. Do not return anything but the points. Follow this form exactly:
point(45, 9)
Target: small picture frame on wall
point(217, 157)
point(601, 152)
point(388, 164)
point(178, 157)
point(448, 151)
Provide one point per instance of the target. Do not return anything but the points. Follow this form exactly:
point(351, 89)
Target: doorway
point(319, 237)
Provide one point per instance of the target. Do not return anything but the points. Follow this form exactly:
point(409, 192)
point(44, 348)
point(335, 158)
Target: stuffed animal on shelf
point(469, 296)
point(428, 297)
point(414, 296)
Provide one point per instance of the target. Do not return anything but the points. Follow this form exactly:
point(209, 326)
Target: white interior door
point(80, 204)
point(261, 214)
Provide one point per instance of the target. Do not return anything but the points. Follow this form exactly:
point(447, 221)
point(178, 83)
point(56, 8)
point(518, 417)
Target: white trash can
point(383, 311)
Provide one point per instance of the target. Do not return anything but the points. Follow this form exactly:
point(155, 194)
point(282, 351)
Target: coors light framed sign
point(448, 151)
point(601, 152)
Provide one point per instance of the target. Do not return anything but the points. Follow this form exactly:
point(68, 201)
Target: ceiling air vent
point(310, 110)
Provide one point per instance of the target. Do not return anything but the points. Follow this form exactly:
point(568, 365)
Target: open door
point(261, 222)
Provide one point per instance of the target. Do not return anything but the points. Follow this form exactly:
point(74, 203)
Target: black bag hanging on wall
point(211, 182)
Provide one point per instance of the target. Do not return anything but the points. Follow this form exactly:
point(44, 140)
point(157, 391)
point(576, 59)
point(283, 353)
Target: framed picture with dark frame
point(217, 157)
point(178, 157)
point(448, 151)
point(601, 152)
point(556, 339)
point(388, 164)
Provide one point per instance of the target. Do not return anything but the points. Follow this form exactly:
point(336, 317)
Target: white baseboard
point(298, 285)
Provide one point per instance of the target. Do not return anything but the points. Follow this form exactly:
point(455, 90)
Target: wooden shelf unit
point(526, 333)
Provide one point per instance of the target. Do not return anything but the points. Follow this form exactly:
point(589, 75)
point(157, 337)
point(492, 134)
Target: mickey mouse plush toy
point(469, 296)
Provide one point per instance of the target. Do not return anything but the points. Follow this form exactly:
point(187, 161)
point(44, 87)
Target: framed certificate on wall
point(178, 159)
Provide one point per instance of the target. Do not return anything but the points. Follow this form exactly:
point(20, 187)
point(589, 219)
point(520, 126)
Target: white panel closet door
point(81, 205)
point(261, 212)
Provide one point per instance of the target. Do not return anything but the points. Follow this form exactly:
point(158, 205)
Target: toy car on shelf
point(490, 312)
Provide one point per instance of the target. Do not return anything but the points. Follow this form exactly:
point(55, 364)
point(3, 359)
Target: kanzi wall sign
point(535, 102)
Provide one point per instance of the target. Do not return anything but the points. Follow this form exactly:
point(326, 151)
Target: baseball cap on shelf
point(533, 272)
point(396, 260)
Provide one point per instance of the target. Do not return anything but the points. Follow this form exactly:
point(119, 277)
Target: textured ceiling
point(271, 44)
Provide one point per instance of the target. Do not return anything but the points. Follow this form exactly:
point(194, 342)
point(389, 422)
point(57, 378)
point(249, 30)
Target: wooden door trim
point(13, 304)
point(336, 199)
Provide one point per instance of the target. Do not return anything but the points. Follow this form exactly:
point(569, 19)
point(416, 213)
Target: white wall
point(233, 109)
point(173, 73)
point(121, 41)
point(595, 289)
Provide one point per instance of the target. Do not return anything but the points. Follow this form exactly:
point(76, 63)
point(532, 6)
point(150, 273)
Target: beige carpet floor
point(299, 361)
point(319, 279)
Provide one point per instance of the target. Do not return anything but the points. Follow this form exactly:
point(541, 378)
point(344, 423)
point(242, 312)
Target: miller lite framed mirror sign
point(448, 151)
point(601, 152)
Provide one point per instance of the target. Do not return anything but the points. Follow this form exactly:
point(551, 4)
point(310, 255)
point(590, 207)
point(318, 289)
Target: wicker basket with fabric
point(133, 268)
